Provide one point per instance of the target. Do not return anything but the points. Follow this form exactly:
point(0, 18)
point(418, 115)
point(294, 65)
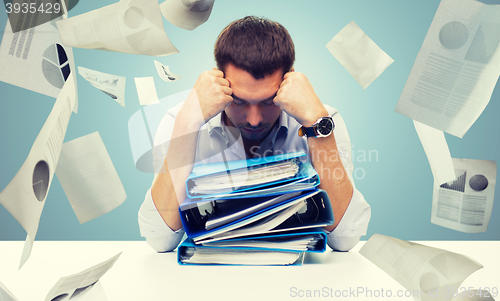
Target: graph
point(478, 182)
point(55, 65)
point(458, 184)
point(484, 44)
point(453, 35)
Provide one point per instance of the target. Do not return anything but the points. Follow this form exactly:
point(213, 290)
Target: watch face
point(325, 126)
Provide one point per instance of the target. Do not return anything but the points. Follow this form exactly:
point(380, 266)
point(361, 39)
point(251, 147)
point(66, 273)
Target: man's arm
point(297, 97)
point(211, 94)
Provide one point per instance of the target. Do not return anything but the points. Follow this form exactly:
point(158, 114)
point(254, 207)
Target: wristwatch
point(323, 127)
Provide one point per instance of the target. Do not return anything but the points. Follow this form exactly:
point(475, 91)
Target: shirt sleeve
point(152, 226)
point(354, 222)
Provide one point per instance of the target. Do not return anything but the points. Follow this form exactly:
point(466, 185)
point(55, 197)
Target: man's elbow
point(343, 244)
point(161, 244)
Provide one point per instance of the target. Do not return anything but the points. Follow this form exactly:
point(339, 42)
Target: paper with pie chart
point(36, 59)
point(129, 26)
point(25, 195)
point(431, 271)
point(165, 73)
point(111, 85)
point(187, 14)
point(465, 204)
point(456, 68)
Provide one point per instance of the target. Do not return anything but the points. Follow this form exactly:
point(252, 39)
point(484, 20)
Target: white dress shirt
point(216, 143)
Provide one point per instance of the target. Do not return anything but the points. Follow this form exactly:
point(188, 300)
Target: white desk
point(142, 274)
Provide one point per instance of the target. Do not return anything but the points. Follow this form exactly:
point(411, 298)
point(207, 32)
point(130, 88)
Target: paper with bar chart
point(456, 69)
point(129, 26)
point(465, 204)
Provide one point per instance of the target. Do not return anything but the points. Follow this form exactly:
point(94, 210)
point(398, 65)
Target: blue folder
point(226, 167)
point(188, 248)
point(318, 213)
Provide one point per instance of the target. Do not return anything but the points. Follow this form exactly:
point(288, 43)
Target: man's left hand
point(297, 98)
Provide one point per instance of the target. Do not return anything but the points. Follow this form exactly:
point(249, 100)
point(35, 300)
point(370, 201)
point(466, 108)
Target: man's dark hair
point(256, 45)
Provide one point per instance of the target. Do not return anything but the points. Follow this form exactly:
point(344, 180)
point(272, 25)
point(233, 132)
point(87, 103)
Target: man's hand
point(213, 95)
point(297, 98)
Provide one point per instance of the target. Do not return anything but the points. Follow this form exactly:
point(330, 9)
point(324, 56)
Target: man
point(253, 104)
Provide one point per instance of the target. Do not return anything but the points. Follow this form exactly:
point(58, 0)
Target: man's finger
point(223, 82)
point(227, 90)
point(287, 75)
point(216, 72)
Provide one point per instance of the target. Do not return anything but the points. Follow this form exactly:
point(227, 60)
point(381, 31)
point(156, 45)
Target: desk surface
point(142, 274)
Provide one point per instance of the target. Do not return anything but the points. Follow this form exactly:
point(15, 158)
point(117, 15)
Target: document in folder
point(218, 178)
point(189, 253)
point(309, 210)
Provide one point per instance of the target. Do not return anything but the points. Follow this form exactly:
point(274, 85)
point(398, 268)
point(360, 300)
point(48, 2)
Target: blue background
point(398, 185)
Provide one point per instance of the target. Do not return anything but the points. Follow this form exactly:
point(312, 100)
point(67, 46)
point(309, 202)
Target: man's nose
point(254, 115)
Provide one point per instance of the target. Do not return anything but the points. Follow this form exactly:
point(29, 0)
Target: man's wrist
point(314, 117)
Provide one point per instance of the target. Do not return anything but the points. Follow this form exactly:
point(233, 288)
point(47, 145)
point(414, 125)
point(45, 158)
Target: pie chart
point(41, 176)
point(478, 182)
point(453, 35)
point(55, 65)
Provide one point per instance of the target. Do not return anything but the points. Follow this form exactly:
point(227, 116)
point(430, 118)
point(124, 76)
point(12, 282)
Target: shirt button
point(224, 134)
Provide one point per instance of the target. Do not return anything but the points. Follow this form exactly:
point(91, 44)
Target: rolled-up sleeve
point(152, 226)
point(354, 222)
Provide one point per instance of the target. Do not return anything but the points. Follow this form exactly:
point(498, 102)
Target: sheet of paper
point(165, 73)
point(213, 223)
point(5, 294)
point(437, 152)
point(465, 204)
point(240, 224)
point(187, 14)
point(36, 59)
point(228, 181)
point(76, 284)
point(93, 292)
point(364, 60)
point(25, 195)
point(417, 267)
point(89, 178)
point(129, 26)
point(456, 69)
point(146, 90)
point(111, 85)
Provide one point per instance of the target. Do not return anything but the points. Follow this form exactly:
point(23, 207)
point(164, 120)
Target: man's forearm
point(326, 161)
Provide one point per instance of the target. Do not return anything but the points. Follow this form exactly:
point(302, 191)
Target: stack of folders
point(265, 211)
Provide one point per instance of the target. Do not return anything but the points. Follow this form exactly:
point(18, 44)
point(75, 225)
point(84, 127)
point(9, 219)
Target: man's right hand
point(213, 93)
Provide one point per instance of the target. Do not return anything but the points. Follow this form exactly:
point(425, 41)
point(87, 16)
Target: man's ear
point(292, 70)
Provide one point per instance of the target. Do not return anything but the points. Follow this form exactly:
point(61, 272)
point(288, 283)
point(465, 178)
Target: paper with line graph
point(111, 85)
point(465, 204)
point(456, 69)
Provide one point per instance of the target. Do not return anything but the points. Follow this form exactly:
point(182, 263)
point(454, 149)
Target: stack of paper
point(273, 213)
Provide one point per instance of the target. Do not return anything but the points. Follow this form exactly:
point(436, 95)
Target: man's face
point(253, 111)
